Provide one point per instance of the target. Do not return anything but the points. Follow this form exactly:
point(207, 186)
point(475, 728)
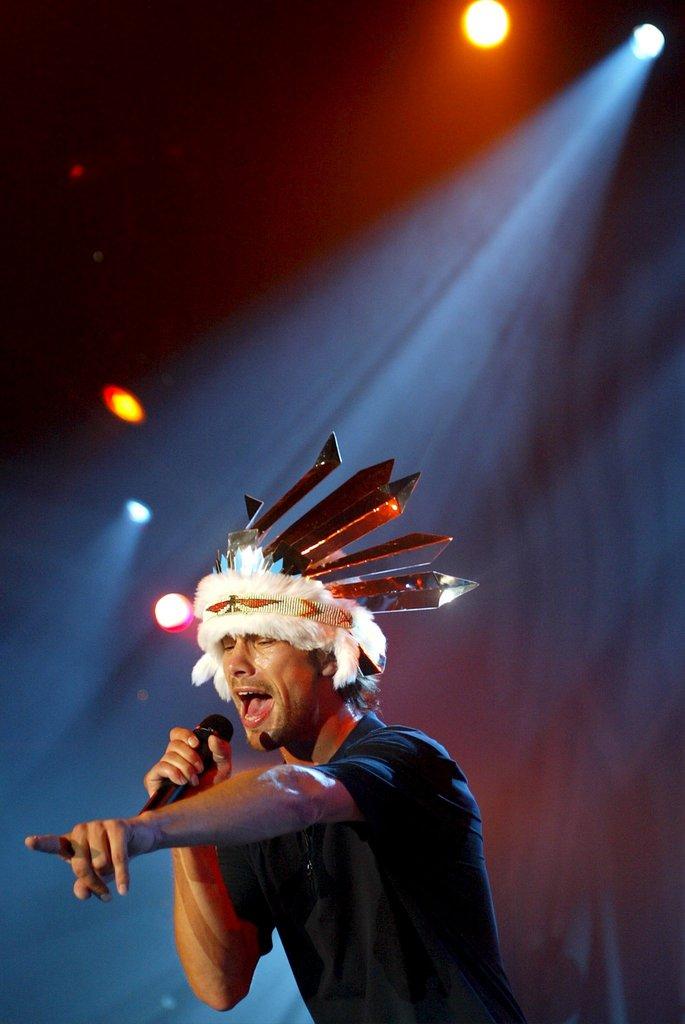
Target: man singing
point(364, 847)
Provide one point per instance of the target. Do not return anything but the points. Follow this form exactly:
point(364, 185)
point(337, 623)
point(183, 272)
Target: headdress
point(305, 588)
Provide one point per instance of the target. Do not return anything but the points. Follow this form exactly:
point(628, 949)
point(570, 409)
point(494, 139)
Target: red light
point(76, 171)
point(123, 404)
point(174, 612)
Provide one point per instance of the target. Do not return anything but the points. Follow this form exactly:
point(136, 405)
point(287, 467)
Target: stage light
point(123, 404)
point(138, 512)
point(485, 23)
point(173, 612)
point(76, 171)
point(647, 42)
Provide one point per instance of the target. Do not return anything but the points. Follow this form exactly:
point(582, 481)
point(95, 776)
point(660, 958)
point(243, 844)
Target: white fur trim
point(305, 634)
point(203, 670)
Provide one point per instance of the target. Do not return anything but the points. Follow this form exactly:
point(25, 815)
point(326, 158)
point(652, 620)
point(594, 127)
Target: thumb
point(221, 752)
point(220, 749)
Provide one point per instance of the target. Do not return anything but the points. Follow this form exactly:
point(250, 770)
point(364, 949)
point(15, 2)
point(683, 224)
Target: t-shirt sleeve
point(402, 780)
point(245, 891)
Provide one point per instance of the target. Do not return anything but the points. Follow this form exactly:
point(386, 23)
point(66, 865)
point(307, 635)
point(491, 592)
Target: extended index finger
point(51, 844)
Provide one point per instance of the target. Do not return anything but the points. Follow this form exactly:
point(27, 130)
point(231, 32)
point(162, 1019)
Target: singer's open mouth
point(256, 706)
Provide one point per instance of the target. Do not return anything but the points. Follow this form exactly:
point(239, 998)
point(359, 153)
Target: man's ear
point(329, 668)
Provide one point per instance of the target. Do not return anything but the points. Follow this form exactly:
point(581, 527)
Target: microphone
point(212, 725)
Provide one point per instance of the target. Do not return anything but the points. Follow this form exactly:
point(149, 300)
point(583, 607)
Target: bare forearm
point(250, 807)
point(218, 951)
point(247, 808)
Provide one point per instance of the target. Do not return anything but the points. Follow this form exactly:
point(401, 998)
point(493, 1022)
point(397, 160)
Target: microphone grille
point(218, 724)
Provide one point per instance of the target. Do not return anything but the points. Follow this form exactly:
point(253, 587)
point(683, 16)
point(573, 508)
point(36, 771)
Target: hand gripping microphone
point(213, 725)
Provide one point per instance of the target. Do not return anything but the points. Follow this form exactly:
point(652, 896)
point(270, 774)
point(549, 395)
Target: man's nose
point(238, 660)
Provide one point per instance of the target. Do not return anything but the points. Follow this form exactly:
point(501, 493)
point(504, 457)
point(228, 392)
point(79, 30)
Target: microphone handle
point(166, 794)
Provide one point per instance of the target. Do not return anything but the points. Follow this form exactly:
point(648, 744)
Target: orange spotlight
point(173, 612)
point(123, 404)
point(485, 23)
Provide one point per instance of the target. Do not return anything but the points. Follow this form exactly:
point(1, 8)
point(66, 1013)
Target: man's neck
point(334, 731)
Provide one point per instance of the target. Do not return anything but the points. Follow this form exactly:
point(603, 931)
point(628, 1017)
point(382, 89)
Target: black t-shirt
point(389, 920)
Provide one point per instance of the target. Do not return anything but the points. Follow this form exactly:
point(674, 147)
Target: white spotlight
point(647, 42)
point(137, 512)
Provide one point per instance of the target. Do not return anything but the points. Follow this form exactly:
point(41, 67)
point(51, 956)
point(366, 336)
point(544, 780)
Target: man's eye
point(264, 641)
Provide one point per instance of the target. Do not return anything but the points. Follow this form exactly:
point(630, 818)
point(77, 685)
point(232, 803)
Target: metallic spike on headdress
point(253, 506)
point(403, 593)
point(375, 509)
point(344, 497)
point(430, 545)
point(327, 460)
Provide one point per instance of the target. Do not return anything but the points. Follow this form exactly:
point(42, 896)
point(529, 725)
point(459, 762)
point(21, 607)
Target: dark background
point(226, 145)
